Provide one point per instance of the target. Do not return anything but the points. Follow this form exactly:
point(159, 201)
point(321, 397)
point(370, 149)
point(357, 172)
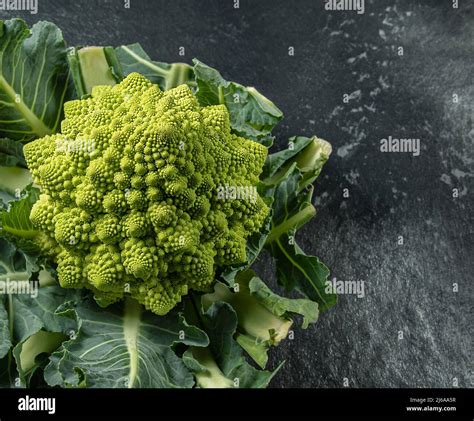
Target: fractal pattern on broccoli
point(129, 203)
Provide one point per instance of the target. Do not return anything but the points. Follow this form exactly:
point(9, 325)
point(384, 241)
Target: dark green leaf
point(297, 270)
point(264, 318)
point(282, 306)
point(222, 364)
point(36, 327)
point(33, 79)
point(14, 263)
point(15, 219)
point(11, 153)
point(251, 114)
point(276, 160)
point(5, 373)
point(133, 58)
point(27, 312)
point(289, 175)
point(30, 355)
point(257, 350)
point(13, 180)
point(290, 209)
point(308, 153)
point(122, 347)
point(33, 313)
point(5, 335)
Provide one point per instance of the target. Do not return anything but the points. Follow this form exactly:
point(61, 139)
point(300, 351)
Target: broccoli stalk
point(166, 75)
point(254, 318)
point(98, 66)
point(210, 375)
point(93, 66)
point(309, 160)
point(177, 74)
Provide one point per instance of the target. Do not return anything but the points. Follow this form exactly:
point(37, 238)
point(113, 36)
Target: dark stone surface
point(409, 287)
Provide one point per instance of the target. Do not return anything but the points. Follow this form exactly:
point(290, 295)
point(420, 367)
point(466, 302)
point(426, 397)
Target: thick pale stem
point(95, 69)
point(131, 330)
point(296, 221)
point(37, 126)
point(212, 378)
point(254, 319)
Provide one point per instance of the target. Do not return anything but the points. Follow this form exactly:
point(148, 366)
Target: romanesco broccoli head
point(137, 193)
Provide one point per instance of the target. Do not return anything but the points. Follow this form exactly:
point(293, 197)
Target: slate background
point(408, 287)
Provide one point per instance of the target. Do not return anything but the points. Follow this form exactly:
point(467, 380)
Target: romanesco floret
point(129, 198)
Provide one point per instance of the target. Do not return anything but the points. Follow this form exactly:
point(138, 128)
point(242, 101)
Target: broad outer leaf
point(14, 264)
point(251, 114)
point(5, 339)
point(5, 373)
point(11, 153)
point(279, 159)
point(285, 175)
point(257, 350)
point(26, 313)
point(34, 313)
point(282, 306)
point(122, 347)
point(36, 327)
point(309, 154)
point(15, 219)
point(13, 180)
point(133, 58)
point(220, 324)
point(33, 79)
point(307, 274)
point(30, 355)
point(292, 208)
point(261, 313)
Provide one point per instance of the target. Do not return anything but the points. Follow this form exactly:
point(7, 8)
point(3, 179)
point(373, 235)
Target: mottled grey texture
point(409, 287)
